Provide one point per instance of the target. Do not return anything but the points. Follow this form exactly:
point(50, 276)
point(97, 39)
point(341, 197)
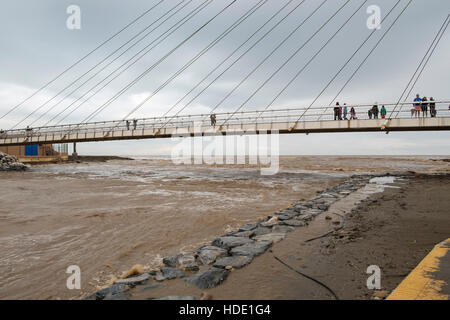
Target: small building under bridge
point(33, 153)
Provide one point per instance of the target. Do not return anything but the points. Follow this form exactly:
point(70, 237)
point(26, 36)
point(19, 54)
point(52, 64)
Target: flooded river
point(107, 217)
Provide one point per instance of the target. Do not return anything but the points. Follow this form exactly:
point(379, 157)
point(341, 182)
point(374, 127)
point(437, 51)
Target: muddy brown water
point(107, 217)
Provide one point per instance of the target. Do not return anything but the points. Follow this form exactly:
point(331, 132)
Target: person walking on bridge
point(135, 124)
point(345, 111)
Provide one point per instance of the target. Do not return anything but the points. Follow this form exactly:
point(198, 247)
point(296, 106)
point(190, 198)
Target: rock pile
point(210, 265)
point(10, 163)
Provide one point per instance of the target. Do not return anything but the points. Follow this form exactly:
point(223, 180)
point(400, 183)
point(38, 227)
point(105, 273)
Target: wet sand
point(106, 217)
point(394, 229)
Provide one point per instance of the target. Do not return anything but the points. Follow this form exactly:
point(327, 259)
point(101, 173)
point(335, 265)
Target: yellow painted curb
point(421, 284)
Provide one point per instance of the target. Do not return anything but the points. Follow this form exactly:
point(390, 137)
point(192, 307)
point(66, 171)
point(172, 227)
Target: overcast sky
point(36, 45)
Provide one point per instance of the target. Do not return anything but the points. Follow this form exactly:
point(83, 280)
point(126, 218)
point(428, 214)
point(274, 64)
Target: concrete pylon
point(75, 154)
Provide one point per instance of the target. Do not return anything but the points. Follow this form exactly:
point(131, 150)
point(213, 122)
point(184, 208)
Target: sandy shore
point(393, 229)
point(108, 216)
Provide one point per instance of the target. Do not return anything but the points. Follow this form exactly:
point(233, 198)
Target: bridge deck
point(192, 129)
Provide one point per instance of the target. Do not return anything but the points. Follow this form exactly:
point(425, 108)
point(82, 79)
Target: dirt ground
point(394, 230)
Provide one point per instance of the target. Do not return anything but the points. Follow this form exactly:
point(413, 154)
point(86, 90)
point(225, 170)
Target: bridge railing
point(290, 115)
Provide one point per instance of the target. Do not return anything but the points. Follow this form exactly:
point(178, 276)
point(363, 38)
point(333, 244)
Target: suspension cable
point(162, 36)
point(228, 57)
point(268, 56)
point(362, 62)
point(143, 74)
point(81, 59)
point(107, 65)
point(311, 60)
point(232, 64)
point(436, 40)
point(286, 62)
point(359, 66)
point(92, 68)
point(354, 54)
point(148, 48)
point(211, 45)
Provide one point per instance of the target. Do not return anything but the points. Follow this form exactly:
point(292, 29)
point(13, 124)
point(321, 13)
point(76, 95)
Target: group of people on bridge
point(341, 112)
point(420, 104)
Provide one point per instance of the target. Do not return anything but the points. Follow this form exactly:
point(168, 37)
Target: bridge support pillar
point(75, 154)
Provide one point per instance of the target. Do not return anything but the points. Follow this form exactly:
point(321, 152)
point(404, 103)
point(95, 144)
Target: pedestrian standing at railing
point(135, 124)
point(383, 112)
point(345, 111)
point(213, 119)
point(337, 112)
point(370, 113)
point(375, 110)
point(424, 107)
point(352, 114)
point(417, 105)
point(128, 125)
point(432, 108)
point(29, 131)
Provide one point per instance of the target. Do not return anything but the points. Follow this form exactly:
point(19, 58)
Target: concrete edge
point(425, 282)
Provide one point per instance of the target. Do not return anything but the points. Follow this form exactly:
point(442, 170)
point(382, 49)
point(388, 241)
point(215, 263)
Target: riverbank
point(393, 229)
point(106, 217)
point(96, 158)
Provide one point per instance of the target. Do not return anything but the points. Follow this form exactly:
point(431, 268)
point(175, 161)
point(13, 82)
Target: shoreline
point(96, 158)
point(209, 266)
point(328, 245)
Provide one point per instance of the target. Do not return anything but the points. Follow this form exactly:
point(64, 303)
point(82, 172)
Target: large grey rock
point(139, 279)
point(271, 237)
point(230, 242)
point(261, 230)
point(115, 289)
point(271, 222)
point(252, 249)
point(172, 273)
point(187, 262)
point(209, 254)
point(283, 229)
point(209, 278)
point(246, 234)
point(248, 227)
point(172, 261)
point(305, 217)
point(283, 216)
point(11, 163)
point(323, 207)
point(314, 212)
point(235, 262)
point(294, 223)
point(299, 208)
point(119, 296)
point(177, 298)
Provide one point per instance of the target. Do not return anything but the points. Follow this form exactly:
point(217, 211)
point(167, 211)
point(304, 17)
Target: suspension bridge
point(177, 121)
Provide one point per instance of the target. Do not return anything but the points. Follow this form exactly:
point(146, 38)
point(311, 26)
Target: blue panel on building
point(31, 150)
